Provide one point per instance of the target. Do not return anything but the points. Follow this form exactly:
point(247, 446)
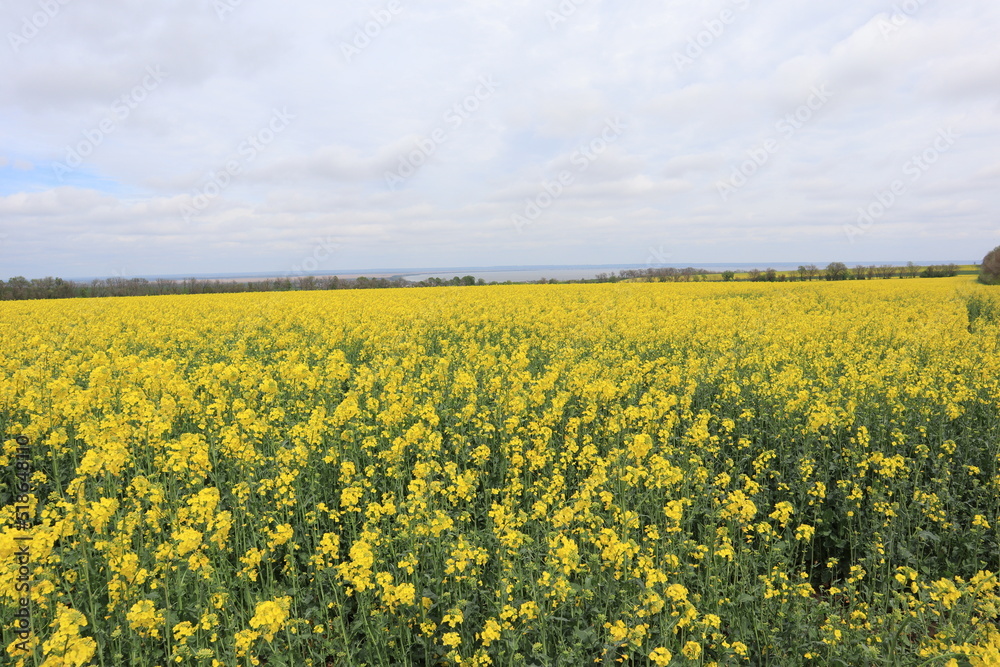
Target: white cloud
point(893, 88)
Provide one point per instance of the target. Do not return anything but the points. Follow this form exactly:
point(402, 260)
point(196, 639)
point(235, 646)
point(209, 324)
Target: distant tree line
point(659, 274)
point(466, 281)
point(19, 288)
point(840, 271)
point(833, 271)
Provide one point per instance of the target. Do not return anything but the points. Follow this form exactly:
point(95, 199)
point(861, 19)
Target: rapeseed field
point(616, 474)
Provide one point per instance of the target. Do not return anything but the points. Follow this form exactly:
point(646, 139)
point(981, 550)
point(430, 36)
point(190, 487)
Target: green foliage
point(981, 309)
point(836, 271)
point(990, 271)
point(939, 271)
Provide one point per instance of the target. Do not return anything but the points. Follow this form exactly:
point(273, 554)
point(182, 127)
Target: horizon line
point(403, 272)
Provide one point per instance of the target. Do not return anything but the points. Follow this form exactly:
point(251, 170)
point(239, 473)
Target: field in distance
point(632, 473)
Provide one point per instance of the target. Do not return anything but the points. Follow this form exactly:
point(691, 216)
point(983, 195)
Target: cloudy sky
point(203, 136)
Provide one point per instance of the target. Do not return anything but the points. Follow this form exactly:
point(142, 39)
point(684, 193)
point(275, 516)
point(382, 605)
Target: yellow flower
point(188, 539)
point(738, 506)
point(270, 616)
point(144, 618)
point(66, 647)
point(222, 524)
point(251, 561)
point(782, 513)
point(243, 640)
point(945, 591)
point(281, 535)
point(182, 631)
point(100, 513)
point(676, 592)
point(661, 656)
point(691, 650)
point(453, 618)
point(203, 504)
point(804, 532)
point(618, 630)
point(491, 632)
point(189, 454)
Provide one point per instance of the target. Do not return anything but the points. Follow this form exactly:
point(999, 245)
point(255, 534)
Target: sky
point(226, 136)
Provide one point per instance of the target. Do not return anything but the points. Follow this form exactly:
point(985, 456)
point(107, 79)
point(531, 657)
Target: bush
point(989, 274)
point(940, 271)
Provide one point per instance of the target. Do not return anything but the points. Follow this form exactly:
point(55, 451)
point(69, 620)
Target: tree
point(18, 287)
point(728, 276)
point(887, 271)
point(989, 273)
point(836, 271)
point(939, 271)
